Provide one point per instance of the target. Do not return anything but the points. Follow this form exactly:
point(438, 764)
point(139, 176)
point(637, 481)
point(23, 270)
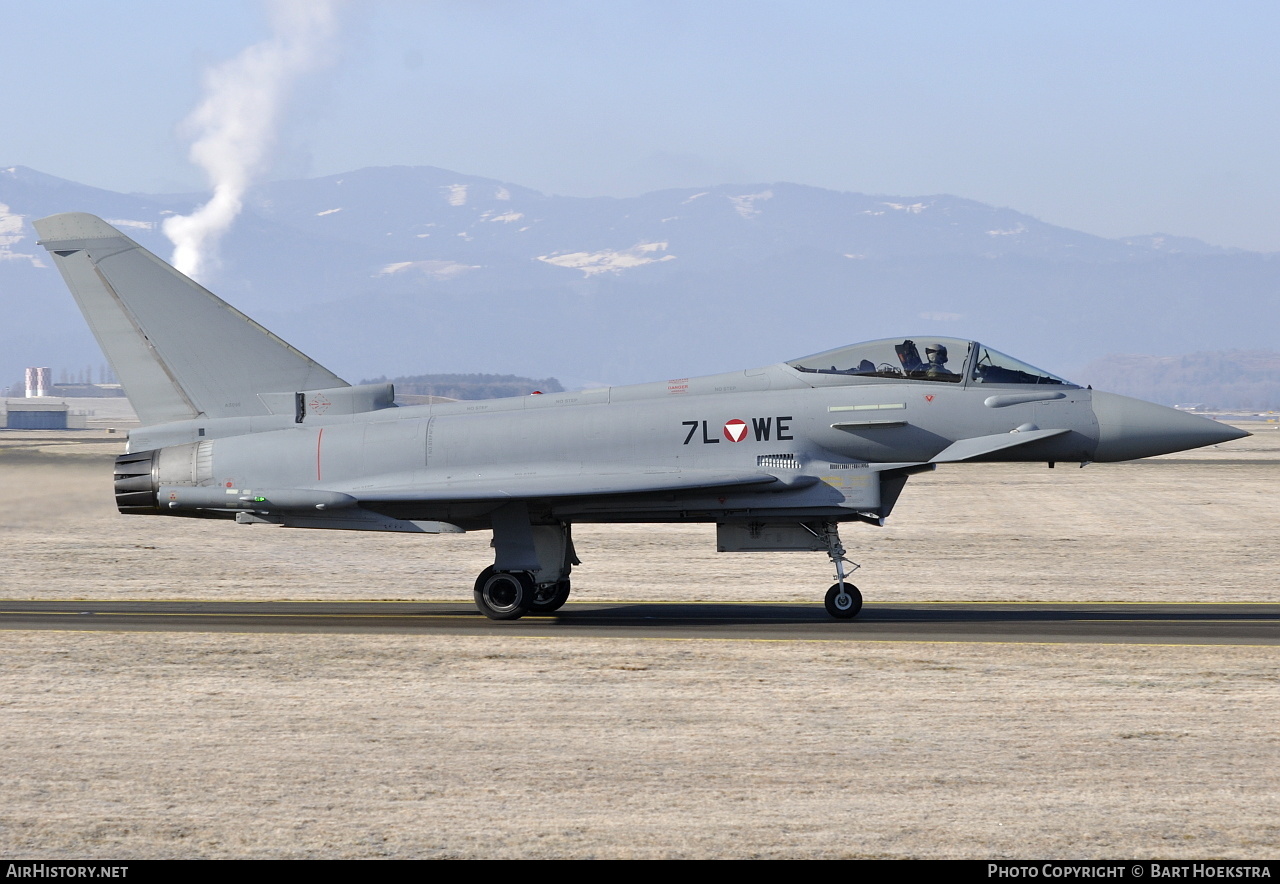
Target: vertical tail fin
point(179, 350)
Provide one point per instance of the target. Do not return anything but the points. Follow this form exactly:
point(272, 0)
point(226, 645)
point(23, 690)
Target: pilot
point(936, 367)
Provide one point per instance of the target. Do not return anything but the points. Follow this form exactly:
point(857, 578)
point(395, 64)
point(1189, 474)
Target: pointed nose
point(1130, 428)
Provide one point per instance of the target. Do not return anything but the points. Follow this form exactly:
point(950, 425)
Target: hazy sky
point(1115, 118)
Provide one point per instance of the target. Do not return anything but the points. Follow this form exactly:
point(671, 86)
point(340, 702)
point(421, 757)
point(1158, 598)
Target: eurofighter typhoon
point(239, 425)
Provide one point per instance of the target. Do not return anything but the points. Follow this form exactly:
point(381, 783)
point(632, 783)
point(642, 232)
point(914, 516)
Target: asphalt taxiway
point(1112, 623)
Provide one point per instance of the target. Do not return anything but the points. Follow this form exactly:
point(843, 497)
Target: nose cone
point(1130, 428)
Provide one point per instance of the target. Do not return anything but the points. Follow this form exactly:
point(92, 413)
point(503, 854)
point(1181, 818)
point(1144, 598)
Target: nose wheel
point(843, 601)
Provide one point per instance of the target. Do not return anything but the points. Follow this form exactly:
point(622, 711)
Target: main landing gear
point(548, 597)
point(504, 595)
point(509, 595)
point(530, 573)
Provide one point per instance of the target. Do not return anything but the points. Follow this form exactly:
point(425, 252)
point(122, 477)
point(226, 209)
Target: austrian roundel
point(735, 430)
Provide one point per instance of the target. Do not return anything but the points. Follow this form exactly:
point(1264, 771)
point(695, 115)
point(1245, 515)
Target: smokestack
point(236, 123)
point(38, 382)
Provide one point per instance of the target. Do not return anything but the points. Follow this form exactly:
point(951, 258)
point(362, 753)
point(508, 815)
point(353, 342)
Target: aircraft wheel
point(846, 605)
point(503, 595)
point(547, 599)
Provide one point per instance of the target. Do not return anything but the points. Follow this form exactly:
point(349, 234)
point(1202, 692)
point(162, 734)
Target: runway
point(1008, 622)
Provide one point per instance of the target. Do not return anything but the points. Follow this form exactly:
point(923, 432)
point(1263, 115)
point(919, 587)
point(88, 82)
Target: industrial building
point(38, 411)
point(42, 414)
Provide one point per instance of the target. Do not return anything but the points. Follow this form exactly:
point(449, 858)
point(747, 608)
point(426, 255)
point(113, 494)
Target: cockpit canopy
point(942, 360)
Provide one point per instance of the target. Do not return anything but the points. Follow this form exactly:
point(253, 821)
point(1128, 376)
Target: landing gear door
point(757, 536)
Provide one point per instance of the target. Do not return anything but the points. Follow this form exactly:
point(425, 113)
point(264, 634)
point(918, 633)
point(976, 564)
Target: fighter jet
point(239, 425)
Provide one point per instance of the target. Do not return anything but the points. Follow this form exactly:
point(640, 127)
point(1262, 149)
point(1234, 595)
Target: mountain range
point(406, 270)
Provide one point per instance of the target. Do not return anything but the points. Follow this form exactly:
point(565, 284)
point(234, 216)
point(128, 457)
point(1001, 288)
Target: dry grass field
point(130, 745)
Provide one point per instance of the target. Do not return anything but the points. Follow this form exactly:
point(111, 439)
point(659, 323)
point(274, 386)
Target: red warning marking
point(928, 397)
point(319, 405)
point(735, 430)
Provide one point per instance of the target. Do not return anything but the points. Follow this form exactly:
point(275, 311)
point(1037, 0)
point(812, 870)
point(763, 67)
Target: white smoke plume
point(235, 126)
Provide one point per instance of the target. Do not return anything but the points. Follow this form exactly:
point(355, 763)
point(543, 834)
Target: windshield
point(922, 359)
point(994, 367)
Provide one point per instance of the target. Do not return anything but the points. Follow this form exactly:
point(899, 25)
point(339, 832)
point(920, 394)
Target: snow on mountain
point(11, 233)
point(745, 205)
point(455, 194)
point(609, 260)
point(436, 269)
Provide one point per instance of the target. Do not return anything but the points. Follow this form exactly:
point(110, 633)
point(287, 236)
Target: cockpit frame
point(900, 359)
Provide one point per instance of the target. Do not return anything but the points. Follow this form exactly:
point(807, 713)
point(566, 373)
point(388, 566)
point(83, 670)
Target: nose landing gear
point(843, 600)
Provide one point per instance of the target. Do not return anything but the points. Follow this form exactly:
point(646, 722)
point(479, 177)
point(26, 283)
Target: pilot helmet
point(937, 353)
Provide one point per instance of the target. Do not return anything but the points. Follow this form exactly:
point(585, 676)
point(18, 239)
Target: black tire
point(847, 608)
point(549, 599)
point(503, 595)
